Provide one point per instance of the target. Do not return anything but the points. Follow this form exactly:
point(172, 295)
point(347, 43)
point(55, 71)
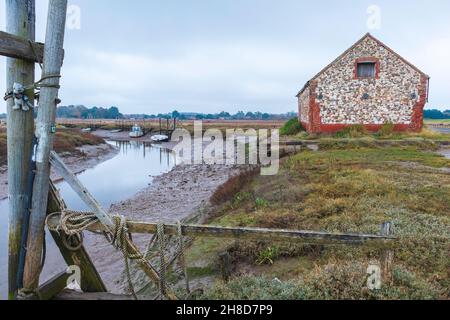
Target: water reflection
point(115, 180)
point(121, 177)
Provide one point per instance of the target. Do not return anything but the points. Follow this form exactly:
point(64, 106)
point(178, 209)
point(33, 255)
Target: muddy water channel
point(118, 179)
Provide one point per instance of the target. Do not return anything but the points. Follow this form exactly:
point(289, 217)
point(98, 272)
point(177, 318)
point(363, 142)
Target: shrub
point(261, 203)
point(354, 131)
point(291, 128)
point(331, 282)
point(268, 256)
point(386, 130)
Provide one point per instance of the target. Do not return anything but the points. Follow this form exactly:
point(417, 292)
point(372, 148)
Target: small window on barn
point(367, 69)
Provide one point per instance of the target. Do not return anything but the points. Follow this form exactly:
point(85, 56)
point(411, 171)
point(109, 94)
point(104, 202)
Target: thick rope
point(73, 223)
point(36, 86)
point(35, 53)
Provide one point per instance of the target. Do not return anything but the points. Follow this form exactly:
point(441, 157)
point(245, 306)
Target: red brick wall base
point(333, 128)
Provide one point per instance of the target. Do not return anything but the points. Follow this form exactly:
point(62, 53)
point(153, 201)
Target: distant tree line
point(82, 112)
point(241, 115)
point(436, 114)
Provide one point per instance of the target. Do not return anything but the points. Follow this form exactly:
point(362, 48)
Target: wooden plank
point(105, 220)
point(20, 48)
point(78, 187)
point(70, 295)
point(20, 21)
point(53, 287)
point(54, 43)
point(253, 234)
point(91, 280)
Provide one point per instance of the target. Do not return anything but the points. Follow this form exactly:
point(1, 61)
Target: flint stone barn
point(368, 84)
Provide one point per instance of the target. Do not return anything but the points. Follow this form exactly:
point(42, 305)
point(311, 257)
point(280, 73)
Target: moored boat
point(159, 138)
point(136, 132)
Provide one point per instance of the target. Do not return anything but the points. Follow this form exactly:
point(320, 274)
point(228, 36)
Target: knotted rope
point(36, 86)
point(73, 223)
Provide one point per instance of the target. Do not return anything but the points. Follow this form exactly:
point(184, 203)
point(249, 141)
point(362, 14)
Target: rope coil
point(74, 223)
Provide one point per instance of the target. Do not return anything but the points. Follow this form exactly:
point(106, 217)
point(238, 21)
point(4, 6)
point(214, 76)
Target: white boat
point(159, 138)
point(86, 130)
point(136, 132)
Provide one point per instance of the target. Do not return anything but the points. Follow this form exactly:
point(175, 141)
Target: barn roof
point(367, 35)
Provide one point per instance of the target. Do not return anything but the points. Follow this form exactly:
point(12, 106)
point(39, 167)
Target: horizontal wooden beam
point(255, 234)
point(19, 48)
point(70, 295)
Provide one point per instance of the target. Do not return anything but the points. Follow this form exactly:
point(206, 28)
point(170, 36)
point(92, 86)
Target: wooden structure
point(19, 43)
point(31, 190)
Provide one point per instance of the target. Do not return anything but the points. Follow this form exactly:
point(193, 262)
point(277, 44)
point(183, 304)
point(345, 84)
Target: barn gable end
point(395, 92)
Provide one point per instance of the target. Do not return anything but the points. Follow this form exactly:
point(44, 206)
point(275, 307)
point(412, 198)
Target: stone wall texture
point(395, 95)
point(303, 102)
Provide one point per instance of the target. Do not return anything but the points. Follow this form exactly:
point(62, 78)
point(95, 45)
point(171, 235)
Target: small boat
point(136, 132)
point(116, 131)
point(159, 138)
point(86, 130)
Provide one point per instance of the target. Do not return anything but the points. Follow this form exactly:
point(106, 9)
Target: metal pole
point(20, 21)
point(53, 57)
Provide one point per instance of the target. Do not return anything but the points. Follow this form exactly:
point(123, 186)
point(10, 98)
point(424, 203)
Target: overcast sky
point(212, 55)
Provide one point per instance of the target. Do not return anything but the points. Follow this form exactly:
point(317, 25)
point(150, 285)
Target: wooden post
point(225, 266)
point(20, 15)
point(387, 258)
point(53, 57)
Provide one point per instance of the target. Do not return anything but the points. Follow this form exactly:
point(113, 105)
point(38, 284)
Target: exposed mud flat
point(87, 157)
point(172, 197)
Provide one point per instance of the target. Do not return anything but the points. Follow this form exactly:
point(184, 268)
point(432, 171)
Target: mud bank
point(172, 197)
point(87, 157)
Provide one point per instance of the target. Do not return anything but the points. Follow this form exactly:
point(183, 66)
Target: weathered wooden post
point(225, 266)
point(45, 129)
point(20, 21)
point(387, 258)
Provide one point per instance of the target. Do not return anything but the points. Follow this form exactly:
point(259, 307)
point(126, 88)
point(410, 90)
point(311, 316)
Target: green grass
point(437, 121)
point(357, 133)
point(341, 190)
point(370, 156)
